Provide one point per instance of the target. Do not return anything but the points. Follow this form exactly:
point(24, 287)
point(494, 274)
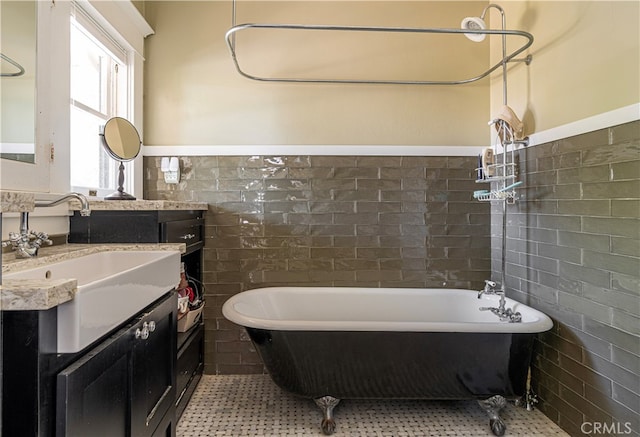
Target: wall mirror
point(122, 142)
point(18, 25)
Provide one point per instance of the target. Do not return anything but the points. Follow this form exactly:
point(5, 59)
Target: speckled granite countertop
point(23, 294)
point(17, 201)
point(140, 205)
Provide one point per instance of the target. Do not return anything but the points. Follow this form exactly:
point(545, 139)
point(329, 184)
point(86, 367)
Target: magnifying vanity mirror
point(122, 142)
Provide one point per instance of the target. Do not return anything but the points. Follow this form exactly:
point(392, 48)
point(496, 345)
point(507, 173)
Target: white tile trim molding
point(313, 150)
point(601, 121)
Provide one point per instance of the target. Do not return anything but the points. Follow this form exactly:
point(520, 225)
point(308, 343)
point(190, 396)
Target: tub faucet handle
point(505, 314)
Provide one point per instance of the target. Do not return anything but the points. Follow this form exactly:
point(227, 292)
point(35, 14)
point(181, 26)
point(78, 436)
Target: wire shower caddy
point(504, 172)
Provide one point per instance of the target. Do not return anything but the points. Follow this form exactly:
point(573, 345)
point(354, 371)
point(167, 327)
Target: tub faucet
point(489, 288)
point(26, 243)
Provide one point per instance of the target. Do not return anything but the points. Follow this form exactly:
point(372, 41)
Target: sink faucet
point(84, 203)
point(26, 243)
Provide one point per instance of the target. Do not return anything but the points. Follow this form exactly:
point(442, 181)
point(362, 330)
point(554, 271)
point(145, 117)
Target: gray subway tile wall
point(573, 249)
point(327, 220)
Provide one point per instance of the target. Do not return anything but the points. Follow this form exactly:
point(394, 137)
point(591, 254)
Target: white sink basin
point(112, 287)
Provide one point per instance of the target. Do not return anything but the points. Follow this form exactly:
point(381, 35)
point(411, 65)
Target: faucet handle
point(13, 241)
point(13, 236)
point(41, 238)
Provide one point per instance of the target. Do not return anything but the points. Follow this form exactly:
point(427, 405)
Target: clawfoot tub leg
point(327, 404)
point(493, 406)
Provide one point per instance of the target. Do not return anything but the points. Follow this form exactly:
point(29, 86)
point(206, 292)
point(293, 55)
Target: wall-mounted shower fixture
point(476, 28)
point(473, 27)
point(474, 23)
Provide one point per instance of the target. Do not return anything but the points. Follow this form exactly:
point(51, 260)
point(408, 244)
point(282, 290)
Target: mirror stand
point(120, 194)
point(122, 142)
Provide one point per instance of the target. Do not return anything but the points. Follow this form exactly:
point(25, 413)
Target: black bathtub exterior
point(400, 365)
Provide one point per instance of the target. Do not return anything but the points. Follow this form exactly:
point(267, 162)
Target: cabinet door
point(189, 366)
point(167, 426)
point(93, 393)
point(153, 368)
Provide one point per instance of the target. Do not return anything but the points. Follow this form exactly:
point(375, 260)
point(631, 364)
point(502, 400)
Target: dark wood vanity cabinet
point(163, 226)
point(93, 394)
point(122, 385)
point(190, 365)
point(154, 368)
point(139, 226)
point(126, 385)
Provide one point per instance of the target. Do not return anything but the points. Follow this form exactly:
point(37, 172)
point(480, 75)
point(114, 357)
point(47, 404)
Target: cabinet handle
point(147, 329)
point(143, 333)
point(188, 236)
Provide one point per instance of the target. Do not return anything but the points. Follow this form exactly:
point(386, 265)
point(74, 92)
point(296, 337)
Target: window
point(99, 91)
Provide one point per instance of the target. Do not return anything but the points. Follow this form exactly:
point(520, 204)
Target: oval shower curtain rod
point(510, 58)
point(475, 32)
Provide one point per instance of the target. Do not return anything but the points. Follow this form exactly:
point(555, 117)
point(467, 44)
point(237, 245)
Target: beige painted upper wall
point(194, 96)
point(586, 60)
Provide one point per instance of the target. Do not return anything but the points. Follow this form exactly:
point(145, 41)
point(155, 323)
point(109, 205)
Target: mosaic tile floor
point(252, 405)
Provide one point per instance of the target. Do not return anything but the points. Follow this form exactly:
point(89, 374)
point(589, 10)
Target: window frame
point(50, 173)
point(118, 55)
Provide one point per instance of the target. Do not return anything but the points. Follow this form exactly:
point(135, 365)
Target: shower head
point(474, 23)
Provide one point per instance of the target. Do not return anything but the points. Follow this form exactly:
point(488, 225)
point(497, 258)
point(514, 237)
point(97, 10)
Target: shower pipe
point(231, 34)
point(505, 128)
point(478, 23)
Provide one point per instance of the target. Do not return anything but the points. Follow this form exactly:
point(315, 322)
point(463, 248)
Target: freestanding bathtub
point(330, 343)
